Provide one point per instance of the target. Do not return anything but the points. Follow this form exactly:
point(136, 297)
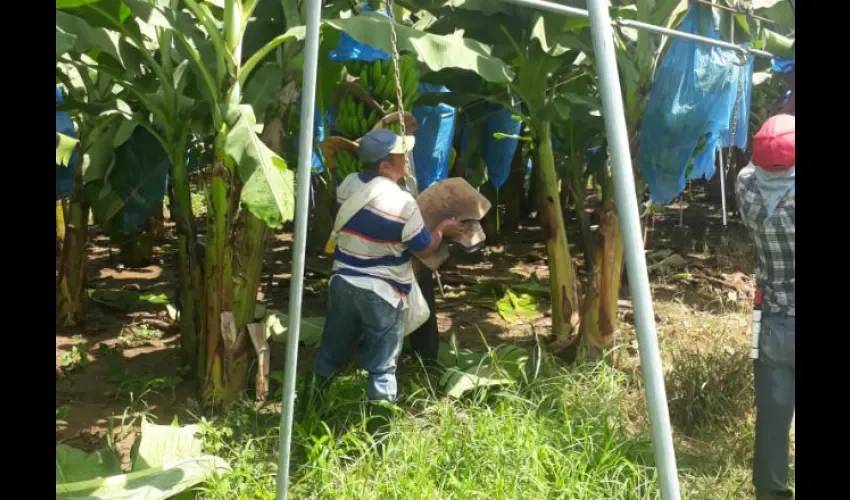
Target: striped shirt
point(373, 249)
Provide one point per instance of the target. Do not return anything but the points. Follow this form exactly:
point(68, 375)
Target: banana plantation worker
point(372, 270)
point(765, 196)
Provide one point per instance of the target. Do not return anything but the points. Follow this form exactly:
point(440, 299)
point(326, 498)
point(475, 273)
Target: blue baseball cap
point(379, 144)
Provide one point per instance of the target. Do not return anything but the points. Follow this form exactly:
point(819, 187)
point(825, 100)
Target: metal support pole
point(302, 207)
point(627, 206)
point(723, 181)
point(638, 25)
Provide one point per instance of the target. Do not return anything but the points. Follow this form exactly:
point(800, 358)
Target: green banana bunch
point(378, 78)
point(371, 120)
point(354, 67)
point(385, 89)
point(376, 75)
point(354, 119)
point(345, 164)
point(347, 122)
point(394, 128)
point(364, 79)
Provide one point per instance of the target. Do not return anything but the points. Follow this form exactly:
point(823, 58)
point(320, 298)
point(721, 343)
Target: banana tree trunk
point(600, 332)
point(234, 261)
point(592, 249)
point(221, 376)
point(566, 317)
point(251, 235)
point(611, 273)
point(71, 282)
point(60, 226)
point(189, 263)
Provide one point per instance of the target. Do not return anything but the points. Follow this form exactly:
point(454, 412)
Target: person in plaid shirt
point(765, 196)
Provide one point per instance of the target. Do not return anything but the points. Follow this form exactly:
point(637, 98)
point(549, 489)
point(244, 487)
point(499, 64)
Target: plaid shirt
point(774, 240)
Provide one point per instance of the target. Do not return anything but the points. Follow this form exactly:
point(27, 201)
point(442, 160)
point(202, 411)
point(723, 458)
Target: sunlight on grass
point(560, 437)
point(566, 435)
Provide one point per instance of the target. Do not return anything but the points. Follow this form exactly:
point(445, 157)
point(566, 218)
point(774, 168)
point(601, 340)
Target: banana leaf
point(277, 324)
point(155, 483)
point(169, 461)
point(467, 370)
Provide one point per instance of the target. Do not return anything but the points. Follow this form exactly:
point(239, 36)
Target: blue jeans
point(775, 390)
point(354, 313)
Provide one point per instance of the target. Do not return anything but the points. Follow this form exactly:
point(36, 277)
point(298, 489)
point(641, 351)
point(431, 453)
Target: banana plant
point(97, 105)
point(545, 51)
point(244, 164)
point(201, 68)
point(638, 56)
point(171, 101)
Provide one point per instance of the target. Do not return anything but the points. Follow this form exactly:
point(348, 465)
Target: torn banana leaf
point(169, 461)
point(457, 383)
point(155, 483)
point(514, 307)
point(65, 146)
point(468, 370)
point(277, 323)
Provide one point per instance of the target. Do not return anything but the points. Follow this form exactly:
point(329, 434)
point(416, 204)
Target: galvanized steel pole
point(638, 25)
point(627, 208)
point(302, 207)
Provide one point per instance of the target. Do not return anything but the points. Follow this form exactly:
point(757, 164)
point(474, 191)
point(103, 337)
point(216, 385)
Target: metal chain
point(411, 176)
point(397, 75)
point(733, 130)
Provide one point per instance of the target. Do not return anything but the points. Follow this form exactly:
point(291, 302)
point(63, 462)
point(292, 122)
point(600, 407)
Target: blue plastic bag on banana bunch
point(434, 136)
point(690, 106)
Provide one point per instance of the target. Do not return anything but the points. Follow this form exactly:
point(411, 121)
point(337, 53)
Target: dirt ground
point(699, 272)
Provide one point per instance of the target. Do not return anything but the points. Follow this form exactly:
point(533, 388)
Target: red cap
point(773, 145)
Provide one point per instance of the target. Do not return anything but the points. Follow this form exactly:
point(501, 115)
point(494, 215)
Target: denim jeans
point(775, 390)
point(354, 314)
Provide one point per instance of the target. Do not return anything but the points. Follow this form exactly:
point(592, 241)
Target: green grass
point(573, 434)
point(564, 436)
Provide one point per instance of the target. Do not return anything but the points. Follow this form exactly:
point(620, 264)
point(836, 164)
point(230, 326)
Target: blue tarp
point(350, 49)
point(434, 136)
point(690, 106)
point(742, 127)
point(64, 175)
point(498, 153)
point(779, 65)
